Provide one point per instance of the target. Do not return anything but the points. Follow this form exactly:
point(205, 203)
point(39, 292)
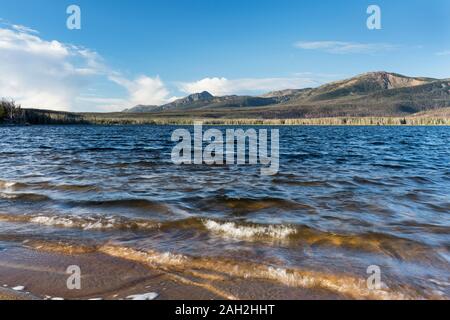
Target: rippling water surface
point(345, 198)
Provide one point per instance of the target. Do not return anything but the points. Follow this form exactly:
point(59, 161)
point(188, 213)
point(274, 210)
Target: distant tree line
point(12, 113)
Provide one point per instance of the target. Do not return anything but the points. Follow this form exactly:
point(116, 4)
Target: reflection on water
point(345, 198)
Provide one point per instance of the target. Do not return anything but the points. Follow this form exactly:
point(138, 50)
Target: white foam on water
point(144, 296)
point(8, 195)
point(73, 222)
point(91, 223)
point(345, 285)
point(233, 230)
point(53, 221)
point(150, 257)
point(18, 288)
point(440, 283)
point(7, 184)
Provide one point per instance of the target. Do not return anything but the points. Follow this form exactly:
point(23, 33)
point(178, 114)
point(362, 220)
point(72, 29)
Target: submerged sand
point(43, 276)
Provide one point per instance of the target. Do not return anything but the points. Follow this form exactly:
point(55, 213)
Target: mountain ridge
point(377, 93)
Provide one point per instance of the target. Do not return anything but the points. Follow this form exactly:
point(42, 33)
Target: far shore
point(46, 117)
point(344, 121)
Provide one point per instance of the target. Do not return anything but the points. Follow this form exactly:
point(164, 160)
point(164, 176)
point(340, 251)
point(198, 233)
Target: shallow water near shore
point(345, 198)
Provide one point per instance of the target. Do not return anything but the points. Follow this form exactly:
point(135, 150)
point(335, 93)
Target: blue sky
point(133, 51)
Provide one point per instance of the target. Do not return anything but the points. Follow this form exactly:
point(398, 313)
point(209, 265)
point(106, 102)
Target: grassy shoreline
point(339, 121)
point(355, 122)
point(46, 117)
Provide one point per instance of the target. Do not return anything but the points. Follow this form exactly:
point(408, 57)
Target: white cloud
point(42, 74)
point(341, 47)
point(50, 74)
point(224, 86)
point(53, 75)
point(103, 104)
point(144, 90)
point(21, 28)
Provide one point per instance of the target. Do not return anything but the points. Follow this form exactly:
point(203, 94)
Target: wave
point(8, 185)
point(376, 243)
point(26, 197)
point(292, 235)
point(228, 229)
point(13, 185)
point(234, 230)
point(84, 223)
point(250, 204)
point(67, 187)
point(122, 203)
point(210, 272)
point(208, 268)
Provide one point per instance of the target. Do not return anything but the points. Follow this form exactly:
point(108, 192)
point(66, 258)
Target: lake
point(344, 199)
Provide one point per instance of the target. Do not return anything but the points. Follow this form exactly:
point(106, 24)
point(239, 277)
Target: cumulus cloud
point(50, 74)
point(44, 74)
point(341, 47)
point(224, 86)
point(144, 90)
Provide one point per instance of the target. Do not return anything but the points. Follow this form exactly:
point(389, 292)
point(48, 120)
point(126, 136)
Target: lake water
point(345, 198)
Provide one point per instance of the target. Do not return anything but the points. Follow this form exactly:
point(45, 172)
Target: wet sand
point(9, 294)
point(43, 276)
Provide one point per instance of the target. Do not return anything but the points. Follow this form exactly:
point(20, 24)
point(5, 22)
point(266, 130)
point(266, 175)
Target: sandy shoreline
point(43, 276)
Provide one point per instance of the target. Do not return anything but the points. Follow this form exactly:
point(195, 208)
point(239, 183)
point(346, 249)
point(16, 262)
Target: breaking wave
point(205, 271)
point(85, 223)
point(233, 230)
point(292, 235)
point(7, 184)
point(216, 268)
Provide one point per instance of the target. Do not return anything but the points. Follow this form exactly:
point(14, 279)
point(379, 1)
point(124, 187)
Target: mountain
point(381, 95)
point(141, 109)
point(286, 95)
point(366, 84)
point(197, 99)
point(357, 86)
point(206, 100)
point(370, 94)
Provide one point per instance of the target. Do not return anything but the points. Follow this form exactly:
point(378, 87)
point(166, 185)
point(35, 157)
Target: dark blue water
point(345, 198)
